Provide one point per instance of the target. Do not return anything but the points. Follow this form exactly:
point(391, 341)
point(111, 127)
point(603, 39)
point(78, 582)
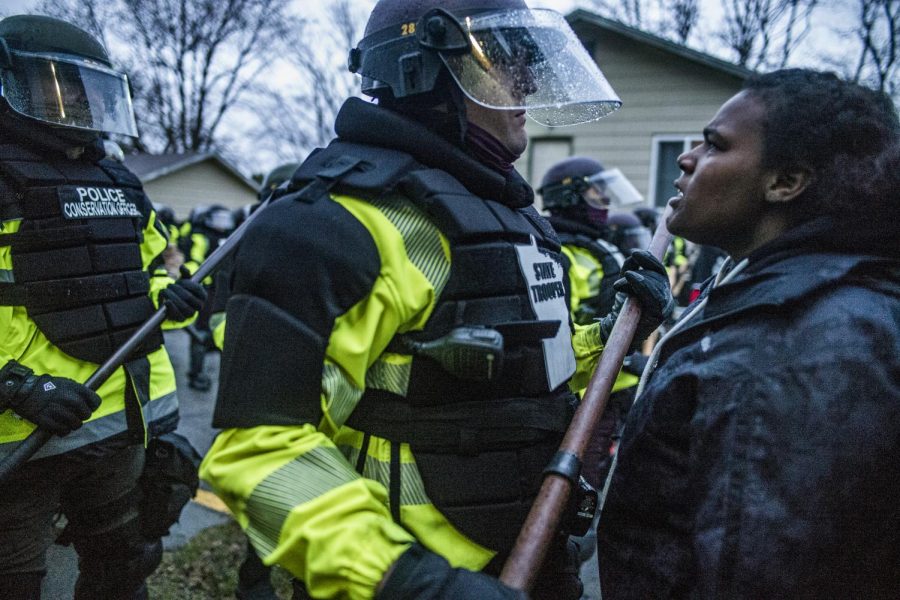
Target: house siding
point(201, 183)
point(662, 94)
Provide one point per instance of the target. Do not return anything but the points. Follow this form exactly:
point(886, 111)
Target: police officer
point(575, 193)
point(403, 358)
point(80, 248)
point(627, 232)
point(209, 228)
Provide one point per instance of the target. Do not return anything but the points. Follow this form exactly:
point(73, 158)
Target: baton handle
point(542, 523)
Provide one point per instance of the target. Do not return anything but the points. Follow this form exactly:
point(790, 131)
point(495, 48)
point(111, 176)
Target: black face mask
point(488, 150)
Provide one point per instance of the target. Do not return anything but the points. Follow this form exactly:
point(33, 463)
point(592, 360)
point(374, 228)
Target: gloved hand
point(422, 575)
point(183, 298)
point(645, 278)
point(55, 404)
point(635, 363)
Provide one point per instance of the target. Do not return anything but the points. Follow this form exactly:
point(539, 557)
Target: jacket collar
point(786, 278)
point(366, 123)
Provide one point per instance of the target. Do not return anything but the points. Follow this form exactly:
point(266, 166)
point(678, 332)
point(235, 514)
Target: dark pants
point(97, 490)
point(199, 347)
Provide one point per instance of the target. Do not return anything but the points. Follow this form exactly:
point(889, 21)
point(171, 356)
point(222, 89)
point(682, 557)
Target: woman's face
point(722, 199)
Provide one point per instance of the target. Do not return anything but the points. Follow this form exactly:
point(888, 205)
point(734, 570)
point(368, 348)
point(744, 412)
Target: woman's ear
point(785, 187)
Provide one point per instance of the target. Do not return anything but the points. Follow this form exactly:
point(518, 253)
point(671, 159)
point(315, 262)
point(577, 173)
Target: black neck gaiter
point(488, 150)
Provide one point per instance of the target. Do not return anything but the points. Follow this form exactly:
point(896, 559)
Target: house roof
point(587, 18)
point(153, 166)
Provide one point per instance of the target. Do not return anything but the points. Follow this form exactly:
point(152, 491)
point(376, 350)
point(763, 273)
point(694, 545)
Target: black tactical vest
point(76, 258)
point(480, 447)
point(610, 260)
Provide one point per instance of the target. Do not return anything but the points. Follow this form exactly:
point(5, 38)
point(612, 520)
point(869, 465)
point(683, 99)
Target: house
point(183, 181)
point(669, 93)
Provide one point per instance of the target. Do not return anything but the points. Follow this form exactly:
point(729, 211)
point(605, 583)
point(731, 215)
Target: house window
point(663, 166)
point(543, 154)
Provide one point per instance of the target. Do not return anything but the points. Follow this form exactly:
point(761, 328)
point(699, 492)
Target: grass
point(207, 566)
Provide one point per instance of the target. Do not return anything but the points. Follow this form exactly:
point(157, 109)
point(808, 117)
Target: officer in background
point(405, 358)
point(80, 249)
point(627, 232)
point(576, 194)
point(209, 228)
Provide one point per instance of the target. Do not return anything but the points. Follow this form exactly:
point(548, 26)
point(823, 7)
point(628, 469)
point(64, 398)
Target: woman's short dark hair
point(833, 129)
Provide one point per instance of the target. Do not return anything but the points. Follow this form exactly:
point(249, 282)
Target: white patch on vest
point(85, 202)
point(705, 343)
point(546, 292)
point(49, 386)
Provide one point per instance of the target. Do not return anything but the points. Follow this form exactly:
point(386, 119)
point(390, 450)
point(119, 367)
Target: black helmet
point(627, 232)
point(59, 75)
point(648, 217)
point(500, 53)
point(215, 217)
point(276, 177)
point(218, 218)
point(566, 182)
point(164, 213)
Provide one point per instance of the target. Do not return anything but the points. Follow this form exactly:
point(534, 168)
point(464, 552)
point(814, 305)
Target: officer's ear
point(785, 186)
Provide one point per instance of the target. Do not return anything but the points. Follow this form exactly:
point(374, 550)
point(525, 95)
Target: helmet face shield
point(531, 60)
point(68, 92)
point(616, 187)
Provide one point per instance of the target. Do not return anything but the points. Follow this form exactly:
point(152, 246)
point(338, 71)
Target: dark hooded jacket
point(762, 459)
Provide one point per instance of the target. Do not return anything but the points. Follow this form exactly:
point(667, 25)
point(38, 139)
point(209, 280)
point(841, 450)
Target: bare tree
point(878, 31)
point(685, 14)
point(673, 19)
point(764, 33)
point(634, 13)
point(303, 112)
point(191, 62)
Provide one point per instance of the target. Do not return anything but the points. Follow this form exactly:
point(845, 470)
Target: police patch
point(544, 276)
point(94, 202)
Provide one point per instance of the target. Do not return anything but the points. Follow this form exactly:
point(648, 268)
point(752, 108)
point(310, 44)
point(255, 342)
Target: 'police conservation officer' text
point(96, 202)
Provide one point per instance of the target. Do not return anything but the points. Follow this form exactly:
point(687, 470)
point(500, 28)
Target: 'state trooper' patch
point(88, 202)
point(546, 292)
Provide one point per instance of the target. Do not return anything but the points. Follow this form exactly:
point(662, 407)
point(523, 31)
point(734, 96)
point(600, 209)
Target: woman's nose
point(685, 162)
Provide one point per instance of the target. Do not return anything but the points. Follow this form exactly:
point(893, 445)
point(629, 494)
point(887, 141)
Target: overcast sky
point(822, 41)
point(826, 20)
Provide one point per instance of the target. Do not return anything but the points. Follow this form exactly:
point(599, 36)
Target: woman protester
point(762, 457)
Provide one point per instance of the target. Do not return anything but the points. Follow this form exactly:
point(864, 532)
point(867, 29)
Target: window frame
point(686, 139)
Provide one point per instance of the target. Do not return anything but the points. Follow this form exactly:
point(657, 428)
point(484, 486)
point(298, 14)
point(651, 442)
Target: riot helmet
point(580, 179)
point(574, 181)
point(648, 217)
point(276, 177)
point(164, 214)
point(500, 54)
point(58, 75)
point(218, 218)
point(627, 232)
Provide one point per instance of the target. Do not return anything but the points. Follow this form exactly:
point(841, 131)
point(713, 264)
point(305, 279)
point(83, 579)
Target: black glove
point(645, 278)
point(55, 404)
point(635, 363)
point(422, 575)
point(183, 298)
